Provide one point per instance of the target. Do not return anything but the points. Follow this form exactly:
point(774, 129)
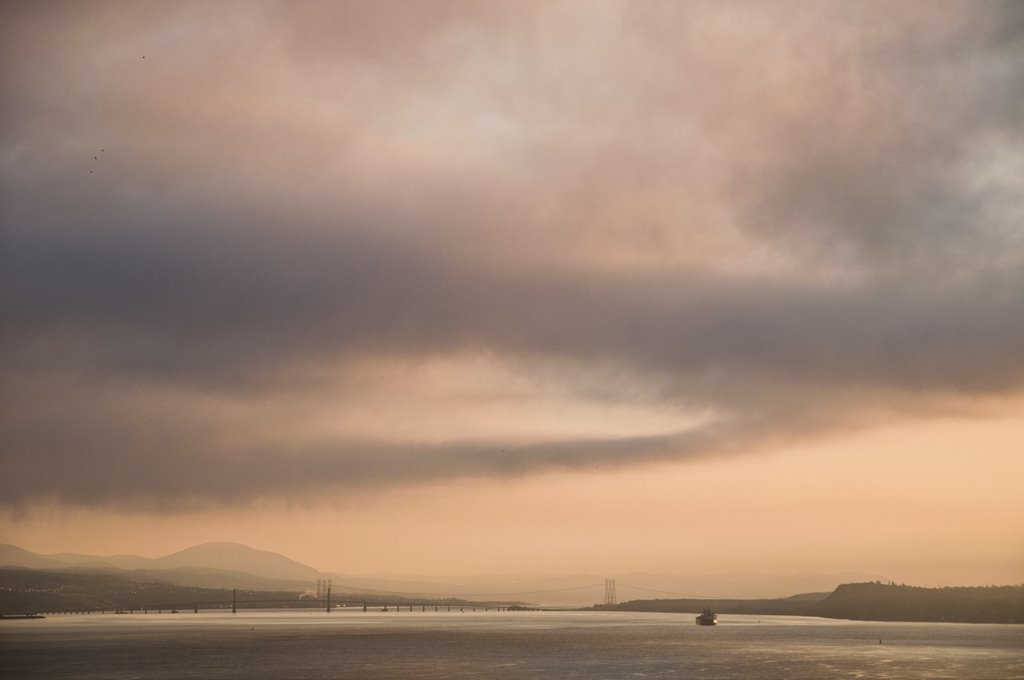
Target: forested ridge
point(868, 601)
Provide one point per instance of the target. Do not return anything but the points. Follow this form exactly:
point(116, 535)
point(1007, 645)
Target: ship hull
point(707, 618)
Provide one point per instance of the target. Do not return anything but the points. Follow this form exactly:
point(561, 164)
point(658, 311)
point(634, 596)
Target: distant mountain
point(13, 556)
point(238, 557)
point(216, 565)
point(211, 578)
point(121, 562)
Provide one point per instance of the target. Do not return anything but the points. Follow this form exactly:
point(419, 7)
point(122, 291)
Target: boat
point(707, 618)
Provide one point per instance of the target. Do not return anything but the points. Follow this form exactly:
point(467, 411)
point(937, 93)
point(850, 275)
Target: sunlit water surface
point(354, 644)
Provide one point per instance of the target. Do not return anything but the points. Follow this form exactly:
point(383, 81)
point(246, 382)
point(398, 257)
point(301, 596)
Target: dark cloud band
point(268, 203)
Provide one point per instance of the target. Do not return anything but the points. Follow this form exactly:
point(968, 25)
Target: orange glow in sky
point(452, 288)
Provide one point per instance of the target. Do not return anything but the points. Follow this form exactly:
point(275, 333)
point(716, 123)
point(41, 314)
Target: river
point(375, 644)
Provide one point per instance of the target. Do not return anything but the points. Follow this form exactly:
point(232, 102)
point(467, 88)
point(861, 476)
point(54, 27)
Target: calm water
point(353, 644)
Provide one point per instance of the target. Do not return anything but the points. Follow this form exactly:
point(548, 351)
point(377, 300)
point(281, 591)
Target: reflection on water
point(354, 644)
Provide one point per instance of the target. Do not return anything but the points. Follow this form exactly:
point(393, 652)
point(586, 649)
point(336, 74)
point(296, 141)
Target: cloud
point(747, 221)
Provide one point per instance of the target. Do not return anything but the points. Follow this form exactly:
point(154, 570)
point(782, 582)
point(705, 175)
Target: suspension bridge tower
point(609, 591)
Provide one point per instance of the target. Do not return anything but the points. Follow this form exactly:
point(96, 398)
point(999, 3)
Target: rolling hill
point(210, 565)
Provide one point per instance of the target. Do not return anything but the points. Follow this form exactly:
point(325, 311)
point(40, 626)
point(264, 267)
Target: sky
point(455, 288)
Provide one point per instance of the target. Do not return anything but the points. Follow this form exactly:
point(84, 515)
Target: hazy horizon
point(447, 288)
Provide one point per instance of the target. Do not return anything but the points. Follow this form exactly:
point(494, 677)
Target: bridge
point(388, 601)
